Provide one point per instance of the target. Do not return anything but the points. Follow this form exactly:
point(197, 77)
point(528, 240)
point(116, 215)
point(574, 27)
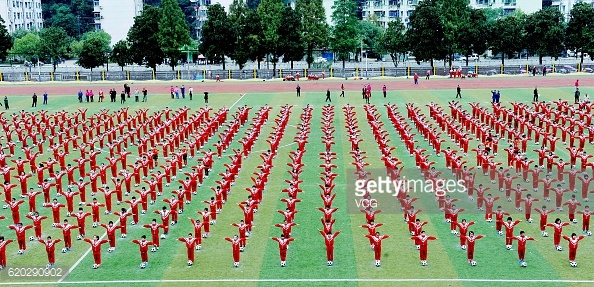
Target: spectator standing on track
point(577, 84)
point(45, 98)
point(34, 104)
point(586, 99)
point(206, 97)
point(6, 103)
point(427, 74)
point(544, 71)
point(577, 94)
point(136, 95)
point(298, 90)
point(101, 96)
point(123, 97)
point(87, 95)
point(416, 78)
point(80, 95)
point(183, 91)
point(328, 96)
point(191, 92)
point(176, 92)
point(535, 97)
point(342, 90)
point(363, 92)
point(172, 91)
point(534, 71)
point(91, 95)
point(458, 92)
point(144, 94)
point(384, 90)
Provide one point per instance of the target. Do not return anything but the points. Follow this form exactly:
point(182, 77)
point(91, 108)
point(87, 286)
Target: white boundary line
point(233, 105)
point(306, 280)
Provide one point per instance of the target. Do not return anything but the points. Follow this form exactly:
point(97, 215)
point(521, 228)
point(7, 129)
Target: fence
point(195, 75)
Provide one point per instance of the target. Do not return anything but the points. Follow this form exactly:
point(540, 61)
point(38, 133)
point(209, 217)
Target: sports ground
point(306, 263)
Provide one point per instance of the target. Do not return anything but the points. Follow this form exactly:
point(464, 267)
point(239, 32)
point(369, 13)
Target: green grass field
point(353, 264)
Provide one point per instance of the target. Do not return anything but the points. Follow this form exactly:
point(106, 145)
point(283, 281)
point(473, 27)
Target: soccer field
point(306, 261)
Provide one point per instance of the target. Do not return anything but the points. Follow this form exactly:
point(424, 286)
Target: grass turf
point(306, 257)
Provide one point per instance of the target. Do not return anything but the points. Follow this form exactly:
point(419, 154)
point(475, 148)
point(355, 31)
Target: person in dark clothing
point(544, 70)
point(6, 103)
point(298, 90)
point(328, 96)
point(458, 92)
point(123, 97)
point(577, 95)
point(34, 104)
point(144, 94)
point(80, 96)
point(206, 97)
point(341, 90)
point(535, 97)
point(45, 98)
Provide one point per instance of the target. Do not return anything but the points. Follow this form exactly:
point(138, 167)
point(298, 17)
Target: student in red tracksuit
point(522, 239)
point(190, 242)
point(95, 211)
point(50, 248)
point(509, 231)
point(20, 230)
point(123, 222)
point(377, 246)
point(37, 223)
point(111, 230)
point(242, 228)
point(3, 244)
point(96, 249)
point(558, 226)
point(154, 227)
point(423, 241)
point(544, 213)
point(283, 244)
point(463, 226)
point(143, 244)
point(329, 241)
point(573, 246)
point(66, 227)
point(235, 242)
point(470, 241)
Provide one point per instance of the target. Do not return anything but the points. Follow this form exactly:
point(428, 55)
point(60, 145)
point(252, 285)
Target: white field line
point(308, 280)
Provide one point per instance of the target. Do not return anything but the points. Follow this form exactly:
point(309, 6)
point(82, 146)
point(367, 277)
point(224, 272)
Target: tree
point(472, 35)
point(545, 32)
point(173, 31)
point(314, 27)
point(143, 38)
point(343, 39)
point(5, 41)
point(101, 39)
point(26, 46)
point(53, 42)
point(92, 54)
point(454, 14)
point(255, 41)
point(370, 34)
point(426, 35)
point(238, 18)
point(270, 12)
point(393, 41)
point(64, 18)
point(506, 36)
point(215, 44)
point(121, 54)
point(580, 29)
point(253, 4)
point(290, 36)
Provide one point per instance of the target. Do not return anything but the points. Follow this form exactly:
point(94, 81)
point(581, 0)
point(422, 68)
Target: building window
point(394, 14)
point(394, 2)
point(409, 12)
point(96, 3)
point(363, 14)
point(98, 27)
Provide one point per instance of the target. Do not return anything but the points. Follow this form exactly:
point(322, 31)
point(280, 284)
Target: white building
point(565, 6)
point(391, 10)
point(115, 17)
point(21, 14)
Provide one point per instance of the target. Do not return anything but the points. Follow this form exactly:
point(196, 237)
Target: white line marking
point(84, 255)
point(233, 105)
point(310, 280)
